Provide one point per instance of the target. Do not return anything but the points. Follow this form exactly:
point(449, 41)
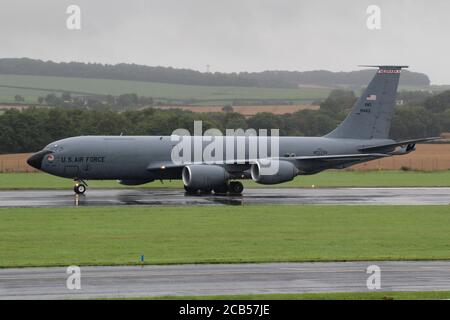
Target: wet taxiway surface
point(348, 196)
point(136, 281)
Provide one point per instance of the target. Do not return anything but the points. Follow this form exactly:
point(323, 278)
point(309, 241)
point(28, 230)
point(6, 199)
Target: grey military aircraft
point(135, 160)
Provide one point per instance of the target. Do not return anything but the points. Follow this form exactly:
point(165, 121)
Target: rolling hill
point(31, 87)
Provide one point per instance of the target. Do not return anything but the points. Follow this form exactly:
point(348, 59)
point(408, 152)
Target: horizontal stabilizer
point(342, 157)
point(396, 144)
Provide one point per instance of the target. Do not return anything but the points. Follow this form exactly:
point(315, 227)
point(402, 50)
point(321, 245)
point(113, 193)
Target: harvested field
point(248, 110)
point(427, 157)
point(15, 163)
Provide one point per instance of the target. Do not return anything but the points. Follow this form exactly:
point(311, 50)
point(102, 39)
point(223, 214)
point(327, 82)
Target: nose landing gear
point(80, 187)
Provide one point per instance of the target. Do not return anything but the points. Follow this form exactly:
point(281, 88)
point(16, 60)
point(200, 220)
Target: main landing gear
point(233, 188)
point(80, 187)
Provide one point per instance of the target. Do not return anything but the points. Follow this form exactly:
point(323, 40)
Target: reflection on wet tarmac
point(159, 197)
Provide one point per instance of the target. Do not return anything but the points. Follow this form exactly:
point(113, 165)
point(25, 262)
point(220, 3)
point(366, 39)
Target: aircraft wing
point(328, 158)
point(396, 144)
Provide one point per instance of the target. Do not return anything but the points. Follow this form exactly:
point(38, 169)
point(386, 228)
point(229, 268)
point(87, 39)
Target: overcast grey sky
point(233, 35)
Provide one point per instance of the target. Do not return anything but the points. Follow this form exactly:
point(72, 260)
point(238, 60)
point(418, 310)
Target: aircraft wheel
point(79, 188)
point(236, 187)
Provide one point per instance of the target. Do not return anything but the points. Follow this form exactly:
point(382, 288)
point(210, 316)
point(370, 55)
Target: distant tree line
point(31, 129)
point(355, 79)
point(267, 79)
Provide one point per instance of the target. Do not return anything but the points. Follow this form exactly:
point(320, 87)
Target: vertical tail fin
point(370, 117)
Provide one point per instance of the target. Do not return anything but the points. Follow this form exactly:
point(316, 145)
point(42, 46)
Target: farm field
point(426, 157)
point(31, 87)
point(248, 110)
point(222, 234)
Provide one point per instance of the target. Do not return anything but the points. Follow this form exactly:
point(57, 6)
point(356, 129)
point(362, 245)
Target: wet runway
point(342, 196)
point(136, 281)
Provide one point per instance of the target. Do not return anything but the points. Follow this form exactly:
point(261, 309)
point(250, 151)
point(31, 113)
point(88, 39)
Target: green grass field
point(414, 295)
point(28, 87)
point(169, 235)
point(321, 180)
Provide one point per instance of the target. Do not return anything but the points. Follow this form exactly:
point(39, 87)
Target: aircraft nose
point(36, 159)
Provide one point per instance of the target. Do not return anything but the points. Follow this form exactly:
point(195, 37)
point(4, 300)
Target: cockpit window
point(54, 147)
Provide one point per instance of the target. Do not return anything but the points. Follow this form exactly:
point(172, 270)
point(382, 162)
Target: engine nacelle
point(286, 172)
point(202, 176)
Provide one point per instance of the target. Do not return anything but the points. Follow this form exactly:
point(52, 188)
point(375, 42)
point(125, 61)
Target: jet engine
point(202, 176)
point(263, 175)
